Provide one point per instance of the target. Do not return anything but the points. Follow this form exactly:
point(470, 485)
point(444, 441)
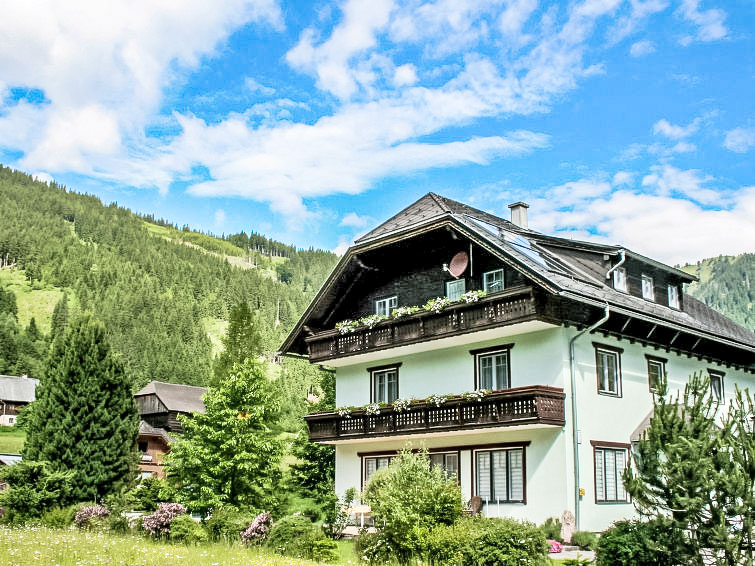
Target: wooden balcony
point(508, 307)
point(532, 405)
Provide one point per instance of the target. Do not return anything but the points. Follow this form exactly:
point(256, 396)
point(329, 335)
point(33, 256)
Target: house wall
point(156, 451)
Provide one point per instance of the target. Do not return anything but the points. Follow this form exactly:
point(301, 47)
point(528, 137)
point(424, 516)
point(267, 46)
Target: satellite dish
point(458, 264)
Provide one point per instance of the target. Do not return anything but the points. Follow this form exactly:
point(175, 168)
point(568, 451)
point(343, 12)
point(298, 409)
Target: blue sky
point(625, 122)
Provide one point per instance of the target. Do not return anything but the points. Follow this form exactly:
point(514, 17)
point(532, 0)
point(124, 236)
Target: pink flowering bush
point(556, 546)
point(89, 515)
point(258, 530)
point(158, 523)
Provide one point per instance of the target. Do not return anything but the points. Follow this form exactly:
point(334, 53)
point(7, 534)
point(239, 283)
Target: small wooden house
point(15, 392)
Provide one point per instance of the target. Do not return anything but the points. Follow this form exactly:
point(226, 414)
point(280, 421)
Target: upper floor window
point(500, 475)
point(386, 306)
point(673, 296)
point(716, 384)
point(620, 279)
point(455, 289)
point(493, 367)
point(373, 464)
point(610, 463)
point(648, 291)
point(608, 364)
point(384, 384)
point(446, 461)
point(656, 371)
point(492, 281)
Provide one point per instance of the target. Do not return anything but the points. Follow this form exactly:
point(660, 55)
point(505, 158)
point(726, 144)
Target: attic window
point(492, 281)
point(648, 291)
point(386, 306)
point(673, 296)
point(455, 289)
point(620, 279)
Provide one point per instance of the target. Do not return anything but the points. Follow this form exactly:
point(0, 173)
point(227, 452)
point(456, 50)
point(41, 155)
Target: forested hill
point(159, 290)
point(727, 284)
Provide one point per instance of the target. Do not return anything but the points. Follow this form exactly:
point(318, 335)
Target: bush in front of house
point(299, 537)
point(640, 543)
point(227, 523)
point(59, 517)
point(90, 516)
point(186, 530)
point(258, 530)
point(585, 539)
point(158, 523)
point(552, 529)
point(492, 542)
point(33, 488)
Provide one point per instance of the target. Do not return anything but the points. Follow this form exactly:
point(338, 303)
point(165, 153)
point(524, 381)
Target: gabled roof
point(17, 389)
point(176, 397)
point(545, 259)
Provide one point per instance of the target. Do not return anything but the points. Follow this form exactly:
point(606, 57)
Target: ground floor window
point(448, 462)
point(499, 475)
point(610, 463)
point(372, 464)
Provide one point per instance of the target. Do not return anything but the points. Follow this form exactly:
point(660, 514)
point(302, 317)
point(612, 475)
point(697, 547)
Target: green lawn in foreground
point(11, 440)
point(24, 546)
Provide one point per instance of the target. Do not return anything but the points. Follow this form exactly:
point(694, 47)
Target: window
point(492, 281)
point(493, 370)
point(455, 289)
point(448, 462)
point(384, 384)
point(500, 475)
point(673, 296)
point(716, 385)
point(386, 306)
point(656, 371)
point(142, 446)
point(373, 464)
point(608, 363)
point(620, 279)
point(648, 291)
point(609, 465)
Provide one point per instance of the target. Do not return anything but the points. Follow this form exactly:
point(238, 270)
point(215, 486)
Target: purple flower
point(158, 523)
point(258, 530)
point(86, 515)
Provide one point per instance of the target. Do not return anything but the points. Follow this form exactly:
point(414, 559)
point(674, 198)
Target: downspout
point(623, 255)
point(575, 429)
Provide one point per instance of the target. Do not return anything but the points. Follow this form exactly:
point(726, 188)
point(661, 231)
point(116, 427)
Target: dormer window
point(620, 279)
point(386, 306)
point(673, 296)
point(648, 292)
point(455, 289)
point(492, 281)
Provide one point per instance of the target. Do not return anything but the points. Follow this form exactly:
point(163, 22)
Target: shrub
point(59, 517)
point(298, 537)
point(492, 542)
point(637, 543)
point(257, 531)
point(90, 516)
point(186, 530)
point(323, 550)
point(158, 523)
point(226, 523)
point(32, 489)
point(149, 493)
point(552, 529)
point(585, 539)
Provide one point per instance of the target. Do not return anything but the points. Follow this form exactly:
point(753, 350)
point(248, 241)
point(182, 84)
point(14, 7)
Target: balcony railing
point(514, 305)
point(530, 405)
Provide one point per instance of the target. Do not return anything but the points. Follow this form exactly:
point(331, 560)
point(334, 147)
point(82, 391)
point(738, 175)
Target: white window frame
point(717, 392)
point(673, 297)
point(443, 464)
point(648, 289)
point(452, 292)
point(381, 461)
point(492, 497)
point(495, 384)
point(620, 279)
point(499, 285)
point(376, 375)
point(603, 379)
point(385, 306)
point(609, 487)
point(659, 363)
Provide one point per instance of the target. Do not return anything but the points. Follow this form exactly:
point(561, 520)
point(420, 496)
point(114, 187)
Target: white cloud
point(640, 11)
point(641, 48)
point(667, 180)
point(674, 132)
point(256, 87)
point(710, 23)
point(219, 217)
point(342, 247)
point(353, 220)
point(42, 177)
point(622, 178)
point(740, 140)
point(405, 75)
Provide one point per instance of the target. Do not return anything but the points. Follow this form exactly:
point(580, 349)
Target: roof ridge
point(440, 199)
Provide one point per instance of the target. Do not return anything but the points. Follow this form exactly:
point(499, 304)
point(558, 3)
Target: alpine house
point(524, 363)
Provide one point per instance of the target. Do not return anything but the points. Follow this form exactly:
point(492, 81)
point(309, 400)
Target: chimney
point(519, 214)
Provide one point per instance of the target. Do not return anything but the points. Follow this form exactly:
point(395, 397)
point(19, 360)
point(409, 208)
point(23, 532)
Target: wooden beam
point(651, 331)
point(623, 328)
point(674, 338)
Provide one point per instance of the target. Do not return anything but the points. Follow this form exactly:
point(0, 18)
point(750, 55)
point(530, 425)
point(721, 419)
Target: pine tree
point(243, 339)
point(60, 317)
point(228, 455)
point(85, 418)
point(8, 303)
point(32, 331)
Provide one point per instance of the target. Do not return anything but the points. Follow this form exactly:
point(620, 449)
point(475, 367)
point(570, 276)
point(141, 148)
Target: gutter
point(575, 429)
point(623, 255)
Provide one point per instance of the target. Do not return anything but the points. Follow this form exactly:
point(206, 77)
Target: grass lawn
point(11, 440)
point(24, 546)
point(32, 301)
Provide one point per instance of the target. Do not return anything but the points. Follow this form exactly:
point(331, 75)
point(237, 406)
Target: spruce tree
point(243, 339)
point(60, 317)
point(85, 418)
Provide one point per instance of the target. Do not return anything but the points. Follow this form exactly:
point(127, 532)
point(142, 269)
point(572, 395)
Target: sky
point(626, 122)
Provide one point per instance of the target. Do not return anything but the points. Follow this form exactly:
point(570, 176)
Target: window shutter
point(610, 459)
point(500, 475)
point(600, 492)
point(517, 477)
point(621, 463)
point(483, 475)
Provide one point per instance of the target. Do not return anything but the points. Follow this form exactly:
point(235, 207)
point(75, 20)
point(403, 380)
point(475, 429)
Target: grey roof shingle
point(18, 389)
point(145, 429)
point(176, 397)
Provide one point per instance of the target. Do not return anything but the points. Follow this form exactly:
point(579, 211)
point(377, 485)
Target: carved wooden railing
point(537, 404)
point(515, 305)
